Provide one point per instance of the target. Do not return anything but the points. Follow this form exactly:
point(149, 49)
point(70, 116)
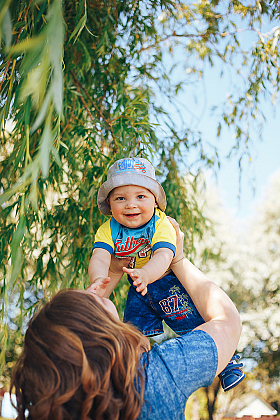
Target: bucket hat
point(130, 171)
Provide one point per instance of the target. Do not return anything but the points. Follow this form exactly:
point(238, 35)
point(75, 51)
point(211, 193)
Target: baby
point(138, 229)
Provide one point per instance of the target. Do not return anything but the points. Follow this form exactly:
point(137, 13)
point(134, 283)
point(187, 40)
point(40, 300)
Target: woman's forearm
point(222, 321)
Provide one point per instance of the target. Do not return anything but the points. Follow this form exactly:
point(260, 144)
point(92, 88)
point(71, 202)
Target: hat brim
point(131, 179)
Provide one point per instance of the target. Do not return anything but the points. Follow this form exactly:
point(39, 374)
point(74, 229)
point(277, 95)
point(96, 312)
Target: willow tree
point(84, 82)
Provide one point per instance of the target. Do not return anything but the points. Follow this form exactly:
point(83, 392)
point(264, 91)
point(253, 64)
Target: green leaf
point(17, 238)
point(43, 112)
point(55, 36)
point(45, 149)
point(4, 6)
point(6, 29)
point(79, 27)
point(28, 44)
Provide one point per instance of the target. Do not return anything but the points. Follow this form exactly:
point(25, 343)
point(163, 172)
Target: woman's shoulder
point(178, 367)
point(187, 349)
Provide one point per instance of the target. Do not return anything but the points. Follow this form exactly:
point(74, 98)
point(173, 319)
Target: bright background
point(240, 195)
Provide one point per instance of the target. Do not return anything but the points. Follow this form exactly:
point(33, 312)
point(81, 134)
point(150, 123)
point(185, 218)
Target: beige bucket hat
point(130, 171)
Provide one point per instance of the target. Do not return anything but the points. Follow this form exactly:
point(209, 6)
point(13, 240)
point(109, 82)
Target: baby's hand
point(140, 278)
point(100, 286)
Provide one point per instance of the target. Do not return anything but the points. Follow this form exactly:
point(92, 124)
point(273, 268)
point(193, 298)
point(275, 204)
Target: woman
point(80, 361)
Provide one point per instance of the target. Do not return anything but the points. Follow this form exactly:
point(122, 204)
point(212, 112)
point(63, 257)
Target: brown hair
point(78, 362)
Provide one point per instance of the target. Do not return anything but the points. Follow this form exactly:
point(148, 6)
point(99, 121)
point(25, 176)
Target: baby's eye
point(140, 196)
point(119, 198)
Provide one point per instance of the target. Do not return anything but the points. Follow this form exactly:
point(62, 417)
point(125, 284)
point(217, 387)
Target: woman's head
point(78, 362)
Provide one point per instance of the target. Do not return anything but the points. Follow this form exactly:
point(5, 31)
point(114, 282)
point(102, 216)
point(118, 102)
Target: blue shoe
point(231, 375)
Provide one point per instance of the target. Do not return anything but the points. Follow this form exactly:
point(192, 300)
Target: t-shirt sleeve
point(191, 359)
point(165, 235)
point(103, 238)
point(175, 369)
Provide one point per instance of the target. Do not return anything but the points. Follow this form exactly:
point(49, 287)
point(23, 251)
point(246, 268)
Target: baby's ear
point(108, 202)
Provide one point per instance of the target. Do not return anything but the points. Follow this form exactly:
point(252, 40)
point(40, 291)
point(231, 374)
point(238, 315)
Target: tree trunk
point(211, 395)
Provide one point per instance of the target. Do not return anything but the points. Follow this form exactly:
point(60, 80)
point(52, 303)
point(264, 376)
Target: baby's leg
point(174, 305)
point(141, 314)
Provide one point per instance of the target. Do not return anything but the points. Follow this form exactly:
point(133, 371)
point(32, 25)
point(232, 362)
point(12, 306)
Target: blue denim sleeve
point(175, 369)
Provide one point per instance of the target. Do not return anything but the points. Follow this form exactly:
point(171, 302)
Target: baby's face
point(132, 206)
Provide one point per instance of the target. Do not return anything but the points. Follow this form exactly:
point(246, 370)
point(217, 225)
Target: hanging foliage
point(85, 82)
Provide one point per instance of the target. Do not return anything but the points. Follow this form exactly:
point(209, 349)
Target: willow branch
point(108, 123)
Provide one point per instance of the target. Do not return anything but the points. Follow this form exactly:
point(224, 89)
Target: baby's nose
point(131, 204)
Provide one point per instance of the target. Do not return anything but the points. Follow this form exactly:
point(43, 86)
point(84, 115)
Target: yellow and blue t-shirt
point(140, 242)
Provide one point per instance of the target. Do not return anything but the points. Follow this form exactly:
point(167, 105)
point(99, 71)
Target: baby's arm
point(105, 272)
point(98, 269)
point(151, 271)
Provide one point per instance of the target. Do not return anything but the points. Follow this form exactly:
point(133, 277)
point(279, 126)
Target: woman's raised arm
point(222, 320)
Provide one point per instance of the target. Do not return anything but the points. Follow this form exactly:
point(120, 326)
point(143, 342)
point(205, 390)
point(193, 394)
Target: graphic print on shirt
point(130, 247)
point(177, 305)
point(145, 254)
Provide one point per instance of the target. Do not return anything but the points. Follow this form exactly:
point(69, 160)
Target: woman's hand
point(179, 241)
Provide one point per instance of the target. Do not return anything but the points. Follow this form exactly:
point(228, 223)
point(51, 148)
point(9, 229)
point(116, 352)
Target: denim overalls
point(166, 300)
